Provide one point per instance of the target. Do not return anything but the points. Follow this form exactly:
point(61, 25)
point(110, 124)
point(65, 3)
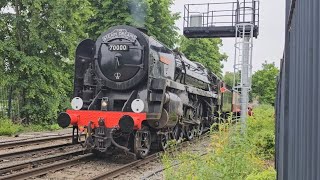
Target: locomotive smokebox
point(144, 30)
point(126, 124)
point(64, 120)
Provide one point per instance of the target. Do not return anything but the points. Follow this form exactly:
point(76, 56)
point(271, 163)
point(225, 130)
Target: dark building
point(297, 104)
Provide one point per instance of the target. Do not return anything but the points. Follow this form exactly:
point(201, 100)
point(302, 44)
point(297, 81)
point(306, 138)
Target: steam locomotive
point(133, 93)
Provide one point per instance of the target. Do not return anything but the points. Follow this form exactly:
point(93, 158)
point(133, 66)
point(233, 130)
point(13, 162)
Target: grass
point(231, 155)
point(8, 128)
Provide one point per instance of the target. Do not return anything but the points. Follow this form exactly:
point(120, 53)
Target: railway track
point(40, 169)
point(28, 151)
point(18, 164)
point(42, 166)
point(126, 168)
point(15, 151)
point(11, 144)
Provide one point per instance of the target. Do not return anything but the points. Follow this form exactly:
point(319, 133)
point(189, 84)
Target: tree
point(205, 51)
point(154, 15)
point(161, 22)
point(108, 13)
point(264, 83)
point(229, 78)
point(37, 42)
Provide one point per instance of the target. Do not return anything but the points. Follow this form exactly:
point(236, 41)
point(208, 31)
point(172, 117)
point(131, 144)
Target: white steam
point(138, 10)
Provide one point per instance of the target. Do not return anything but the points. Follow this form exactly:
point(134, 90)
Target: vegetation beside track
point(8, 128)
point(232, 155)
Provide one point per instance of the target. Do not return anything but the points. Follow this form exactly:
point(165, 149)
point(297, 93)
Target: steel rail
point(45, 169)
point(32, 137)
point(125, 168)
point(20, 143)
point(17, 153)
point(37, 162)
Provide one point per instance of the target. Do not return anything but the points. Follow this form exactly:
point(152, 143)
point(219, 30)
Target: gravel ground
point(150, 170)
point(88, 169)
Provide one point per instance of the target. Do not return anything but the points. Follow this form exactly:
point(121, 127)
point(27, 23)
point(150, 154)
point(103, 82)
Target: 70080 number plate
point(118, 47)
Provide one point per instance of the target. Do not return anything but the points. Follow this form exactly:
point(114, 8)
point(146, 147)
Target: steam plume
point(138, 10)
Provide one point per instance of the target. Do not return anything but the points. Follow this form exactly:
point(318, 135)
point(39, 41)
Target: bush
point(233, 155)
point(232, 158)
point(269, 174)
point(265, 144)
point(40, 127)
point(261, 129)
point(54, 127)
point(7, 127)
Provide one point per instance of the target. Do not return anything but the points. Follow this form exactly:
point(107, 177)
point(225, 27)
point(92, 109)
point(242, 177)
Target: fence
point(297, 104)
point(9, 103)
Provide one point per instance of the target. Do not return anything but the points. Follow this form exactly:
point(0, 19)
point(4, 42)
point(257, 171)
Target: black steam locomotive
point(133, 93)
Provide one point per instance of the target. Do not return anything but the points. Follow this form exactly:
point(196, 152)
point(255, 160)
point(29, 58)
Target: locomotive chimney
point(144, 30)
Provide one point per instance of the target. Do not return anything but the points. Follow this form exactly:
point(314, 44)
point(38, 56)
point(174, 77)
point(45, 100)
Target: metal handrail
point(240, 12)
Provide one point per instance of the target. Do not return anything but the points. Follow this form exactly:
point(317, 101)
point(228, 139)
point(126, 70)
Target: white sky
point(270, 43)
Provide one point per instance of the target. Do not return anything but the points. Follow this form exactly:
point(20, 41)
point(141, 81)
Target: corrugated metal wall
point(297, 106)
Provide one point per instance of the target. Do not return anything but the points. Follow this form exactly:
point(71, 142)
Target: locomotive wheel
point(142, 142)
point(178, 133)
point(189, 132)
point(164, 138)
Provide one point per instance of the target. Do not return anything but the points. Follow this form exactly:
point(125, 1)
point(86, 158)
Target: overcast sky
point(270, 43)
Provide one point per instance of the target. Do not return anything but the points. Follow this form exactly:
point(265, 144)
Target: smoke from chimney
point(138, 10)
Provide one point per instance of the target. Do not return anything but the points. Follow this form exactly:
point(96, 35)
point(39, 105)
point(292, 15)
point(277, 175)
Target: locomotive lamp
point(137, 106)
point(76, 103)
point(104, 104)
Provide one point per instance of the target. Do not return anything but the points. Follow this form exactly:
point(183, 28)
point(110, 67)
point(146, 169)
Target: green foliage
point(40, 127)
point(106, 14)
point(232, 155)
point(261, 128)
point(154, 15)
point(269, 174)
point(8, 128)
point(36, 45)
point(229, 78)
point(205, 51)
point(264, 83)
point(53, 127)
point(161, 22)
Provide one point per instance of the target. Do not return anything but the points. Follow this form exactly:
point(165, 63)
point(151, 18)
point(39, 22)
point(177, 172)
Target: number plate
point(118, 47)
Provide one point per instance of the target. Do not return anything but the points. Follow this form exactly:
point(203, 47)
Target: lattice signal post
point(239, 20)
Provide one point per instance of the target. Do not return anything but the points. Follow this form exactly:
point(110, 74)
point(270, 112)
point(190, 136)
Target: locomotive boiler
point(133, 93)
